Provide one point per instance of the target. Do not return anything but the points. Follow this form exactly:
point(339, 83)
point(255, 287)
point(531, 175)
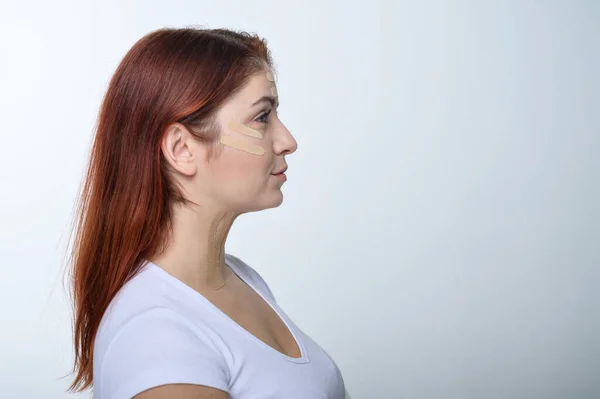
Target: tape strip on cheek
point(270, 76)
point(242, 145)
point(243, 129)
point(274, 91)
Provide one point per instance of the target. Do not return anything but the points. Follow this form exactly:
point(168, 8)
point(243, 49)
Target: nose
point(284, 142)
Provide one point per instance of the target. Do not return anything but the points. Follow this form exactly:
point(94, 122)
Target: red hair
point(123, 212)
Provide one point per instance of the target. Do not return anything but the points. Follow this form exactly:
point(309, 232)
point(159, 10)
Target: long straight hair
point(123, 212)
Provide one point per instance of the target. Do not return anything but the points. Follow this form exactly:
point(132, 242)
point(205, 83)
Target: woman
point(187, 140)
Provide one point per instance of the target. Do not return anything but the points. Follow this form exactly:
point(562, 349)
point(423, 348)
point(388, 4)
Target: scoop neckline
point(166, 276)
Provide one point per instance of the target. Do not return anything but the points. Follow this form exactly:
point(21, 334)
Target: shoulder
point(141, 295)
point(249, 273)
point(144, 340)
point(156, 348)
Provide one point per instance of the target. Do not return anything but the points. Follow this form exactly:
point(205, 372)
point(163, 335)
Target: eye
point(262, 118)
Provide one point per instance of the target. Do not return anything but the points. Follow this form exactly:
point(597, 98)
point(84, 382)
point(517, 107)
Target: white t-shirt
point(157, 330)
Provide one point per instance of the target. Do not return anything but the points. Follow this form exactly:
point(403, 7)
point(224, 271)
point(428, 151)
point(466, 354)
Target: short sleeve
point(159, 347)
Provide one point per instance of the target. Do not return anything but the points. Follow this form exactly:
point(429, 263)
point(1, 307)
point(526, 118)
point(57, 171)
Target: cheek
point(239, 166)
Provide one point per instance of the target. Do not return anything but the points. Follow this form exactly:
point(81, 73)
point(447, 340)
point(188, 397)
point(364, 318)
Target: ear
point(180, 149)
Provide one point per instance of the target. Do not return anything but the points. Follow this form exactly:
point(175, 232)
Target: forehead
point(258, 85)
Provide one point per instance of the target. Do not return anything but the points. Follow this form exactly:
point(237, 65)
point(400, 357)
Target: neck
point(195, 253)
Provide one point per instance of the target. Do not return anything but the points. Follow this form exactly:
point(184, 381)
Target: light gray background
point(439, 235)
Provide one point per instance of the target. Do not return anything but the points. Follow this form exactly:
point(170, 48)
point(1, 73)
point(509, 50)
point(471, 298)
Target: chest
point(269, 344)
point(255, 315)
point(265, 374)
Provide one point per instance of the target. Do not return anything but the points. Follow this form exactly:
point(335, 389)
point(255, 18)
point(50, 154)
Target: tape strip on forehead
point(272, 79)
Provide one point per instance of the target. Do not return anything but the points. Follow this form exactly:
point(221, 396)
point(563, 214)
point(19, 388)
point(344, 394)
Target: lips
point(280, 171)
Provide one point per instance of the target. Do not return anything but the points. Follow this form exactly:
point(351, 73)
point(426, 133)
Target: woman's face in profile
point(242, 179)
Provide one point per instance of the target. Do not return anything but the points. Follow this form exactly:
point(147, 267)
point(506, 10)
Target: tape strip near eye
point(243, 129)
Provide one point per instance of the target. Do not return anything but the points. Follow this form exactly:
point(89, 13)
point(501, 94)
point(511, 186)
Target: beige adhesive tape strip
point(272, 79)
point(242, 145)
point(243, 129)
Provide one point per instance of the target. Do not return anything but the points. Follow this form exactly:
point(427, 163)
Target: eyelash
point(263, 116)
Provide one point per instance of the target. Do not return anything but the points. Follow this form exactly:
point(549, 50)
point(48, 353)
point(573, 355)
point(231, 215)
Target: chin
point(273, 200)
point(279, 200)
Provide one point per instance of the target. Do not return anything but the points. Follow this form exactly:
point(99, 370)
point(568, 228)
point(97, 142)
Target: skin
point(236, 182)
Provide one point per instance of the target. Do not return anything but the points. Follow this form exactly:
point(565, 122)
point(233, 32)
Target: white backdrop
point(440, 231)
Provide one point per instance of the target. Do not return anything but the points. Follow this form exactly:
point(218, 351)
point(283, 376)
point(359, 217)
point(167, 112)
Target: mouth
point(281, 171)
point(280, 177)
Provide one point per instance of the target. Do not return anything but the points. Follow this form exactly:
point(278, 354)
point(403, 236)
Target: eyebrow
point(269, 99)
